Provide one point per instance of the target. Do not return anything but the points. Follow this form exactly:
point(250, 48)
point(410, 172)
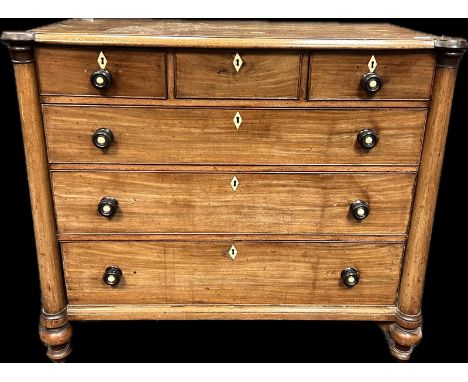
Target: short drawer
point(160, 202)
point(261, 273)
point(239, 74)
point(138, 73)
point(233, 136)
point(338, 75)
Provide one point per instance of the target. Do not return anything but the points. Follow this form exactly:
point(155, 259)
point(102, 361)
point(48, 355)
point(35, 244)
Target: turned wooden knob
point(359, 209)
point(367, 138)
point(112, 275)
point(350, 276)
point(101, 79)
point(103, 138)
point(108, 206)
point(371, 82)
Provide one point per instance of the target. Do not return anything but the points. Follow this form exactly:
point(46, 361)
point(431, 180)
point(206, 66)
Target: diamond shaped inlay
point(232, 253)
point(237, 120)
point(102, 60)
point(234, 183)
point(372, 64)
point(237, 62)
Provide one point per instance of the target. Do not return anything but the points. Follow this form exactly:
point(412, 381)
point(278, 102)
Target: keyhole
point(237, 62)
point(235, 183)
point(237, 119)
point(372, 64)
point(102, 60)
point(232, 251)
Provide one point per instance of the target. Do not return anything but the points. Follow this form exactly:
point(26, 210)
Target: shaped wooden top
point(228, 33)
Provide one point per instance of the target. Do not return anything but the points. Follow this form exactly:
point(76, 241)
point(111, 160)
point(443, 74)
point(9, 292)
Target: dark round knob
point(359, 209)
point(112, 275)
point(367, 138)
point(350, 276)
point(371, 82)
point(108, 206)
point(103, 138)
point(101, 79)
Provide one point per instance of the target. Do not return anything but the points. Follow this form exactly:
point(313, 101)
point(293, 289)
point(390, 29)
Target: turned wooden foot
point(403, 335)
point(55, 333)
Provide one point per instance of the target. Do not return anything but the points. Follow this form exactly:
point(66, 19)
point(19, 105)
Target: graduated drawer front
point(262, 273)
point(137, 73)
point(337, 75)
point(264, 74)
point(208, 136)
point(155, 202)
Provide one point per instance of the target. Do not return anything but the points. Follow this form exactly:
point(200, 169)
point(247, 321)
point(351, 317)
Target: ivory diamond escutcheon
point(372, 64)
point(102, 60)
point(234, 183)
point(237, 120)
point(232, 253)
point(237, 62)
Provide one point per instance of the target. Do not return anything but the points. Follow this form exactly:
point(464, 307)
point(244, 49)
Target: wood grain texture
point(264, 74)
point(234, 169)
point(135, 72)
point(230, 312)
point(335, 75)
point(209, 136)
point(239, 103)
point(201, 273)
point(205, 203)
point(210, 237)
point(228, 33)
point(417, 250)
point(48, 255)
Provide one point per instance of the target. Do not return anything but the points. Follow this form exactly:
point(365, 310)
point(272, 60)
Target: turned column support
point(406, 330)
point(54, 329)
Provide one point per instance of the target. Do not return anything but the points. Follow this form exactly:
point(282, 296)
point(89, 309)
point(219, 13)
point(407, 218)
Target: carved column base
point(55, 332)
point(403, 335)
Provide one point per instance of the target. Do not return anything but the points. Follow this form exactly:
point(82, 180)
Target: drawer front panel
point(154, 202)
point(135, 72)
point(261, 273)
point(262, 74)
point(337, 75)
point(209, 136)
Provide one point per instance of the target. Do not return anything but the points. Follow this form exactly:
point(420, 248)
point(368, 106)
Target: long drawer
point(261, 273)
point(210, 136)
point(160, 202)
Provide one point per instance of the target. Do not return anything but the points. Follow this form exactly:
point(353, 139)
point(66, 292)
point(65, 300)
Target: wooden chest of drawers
point(233, 170)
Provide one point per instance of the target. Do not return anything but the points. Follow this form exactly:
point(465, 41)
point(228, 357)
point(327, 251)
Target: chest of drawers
point(232, 170)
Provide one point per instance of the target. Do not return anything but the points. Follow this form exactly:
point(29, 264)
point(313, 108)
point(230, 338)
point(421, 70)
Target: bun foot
point(403, 335)
point(55, 332)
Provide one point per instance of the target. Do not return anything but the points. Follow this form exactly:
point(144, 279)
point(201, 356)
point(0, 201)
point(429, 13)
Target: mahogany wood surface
point(228, 33)
point(135, 72)
point(232, 103)
point(405, 75)
point(48, 254)
point(297, 165)
point(234, 169)
point(261, 273)
point(205, 202)
point(211, 74)
point(417, 250)
point(209, 136)
point(84, 312)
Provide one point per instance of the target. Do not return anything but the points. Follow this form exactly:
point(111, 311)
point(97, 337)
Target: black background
point(211, 341)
